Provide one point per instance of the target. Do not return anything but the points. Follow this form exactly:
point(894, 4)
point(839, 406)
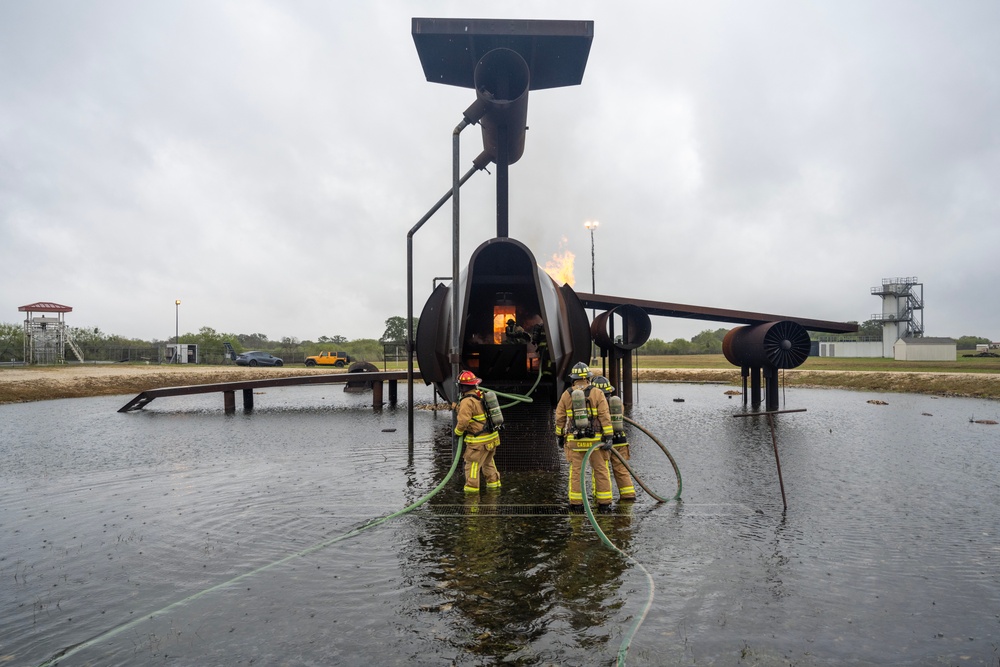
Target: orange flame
point(560, 267)
point(502, 313)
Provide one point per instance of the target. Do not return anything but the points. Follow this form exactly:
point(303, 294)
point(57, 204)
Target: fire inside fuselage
point(503, 282)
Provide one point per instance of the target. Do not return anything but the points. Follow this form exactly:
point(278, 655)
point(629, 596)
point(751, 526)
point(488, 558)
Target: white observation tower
point(902, 313)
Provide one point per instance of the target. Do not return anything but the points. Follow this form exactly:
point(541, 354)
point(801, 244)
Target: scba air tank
point(617, 414)
point(493, 409)
point(581, 420)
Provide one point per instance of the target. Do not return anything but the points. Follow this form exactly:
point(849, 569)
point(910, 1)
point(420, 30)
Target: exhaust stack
point(502, 81)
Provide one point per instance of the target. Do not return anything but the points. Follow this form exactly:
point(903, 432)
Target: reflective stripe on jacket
point(471, 420)
point(597, 410)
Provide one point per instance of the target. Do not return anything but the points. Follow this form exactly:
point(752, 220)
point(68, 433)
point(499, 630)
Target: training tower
point(46, 335)
point(902, 313)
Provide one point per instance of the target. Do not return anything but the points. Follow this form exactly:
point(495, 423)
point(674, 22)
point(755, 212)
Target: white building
point(925, 349)
point(850, 348)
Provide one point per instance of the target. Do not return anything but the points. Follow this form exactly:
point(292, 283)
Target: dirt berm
point(19, 385)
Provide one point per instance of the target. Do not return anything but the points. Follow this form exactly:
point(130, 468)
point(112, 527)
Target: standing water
point(179, 535)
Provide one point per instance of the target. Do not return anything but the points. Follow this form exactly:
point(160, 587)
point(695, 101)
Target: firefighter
point(516, 333)
point(481, 439)
point(582, 419)
point(619, 442)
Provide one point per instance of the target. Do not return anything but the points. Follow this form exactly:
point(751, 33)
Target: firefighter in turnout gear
point(481, 439)
point(515, 333)
point(582, 419)
point(619, 442)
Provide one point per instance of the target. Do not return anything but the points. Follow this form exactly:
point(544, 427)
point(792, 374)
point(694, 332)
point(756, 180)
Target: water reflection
point(509, 570)
point(887, 553)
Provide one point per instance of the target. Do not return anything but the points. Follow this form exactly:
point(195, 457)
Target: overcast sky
point(263, 161)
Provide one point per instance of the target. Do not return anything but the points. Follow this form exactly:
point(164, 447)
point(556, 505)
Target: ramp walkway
point(373, 379)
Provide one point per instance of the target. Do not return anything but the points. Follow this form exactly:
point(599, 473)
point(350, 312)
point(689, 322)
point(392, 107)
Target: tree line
point(98, 345)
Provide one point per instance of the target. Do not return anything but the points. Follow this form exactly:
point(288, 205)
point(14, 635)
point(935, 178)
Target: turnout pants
point(600, 471)
point(479, 467)
point(623, 479)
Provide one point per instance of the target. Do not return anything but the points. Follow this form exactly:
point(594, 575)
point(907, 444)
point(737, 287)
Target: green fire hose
point(76, 648)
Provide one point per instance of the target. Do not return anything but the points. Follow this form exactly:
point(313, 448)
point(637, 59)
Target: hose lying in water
point(677, 471)
point(538, 378)
point(627, 639)
point(76, 648)
point(519, 398)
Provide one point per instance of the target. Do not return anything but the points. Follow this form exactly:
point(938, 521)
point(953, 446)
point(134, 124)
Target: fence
point(212, 354)
point(394, 352)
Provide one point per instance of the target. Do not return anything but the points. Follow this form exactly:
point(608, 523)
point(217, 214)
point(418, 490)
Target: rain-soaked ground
point(181, 536)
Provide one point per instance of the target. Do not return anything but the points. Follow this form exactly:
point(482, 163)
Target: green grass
point(960, 365)
point(718, 361)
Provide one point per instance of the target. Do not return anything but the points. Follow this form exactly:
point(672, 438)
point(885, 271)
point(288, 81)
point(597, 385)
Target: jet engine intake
point(635, 328)
point(782, 344)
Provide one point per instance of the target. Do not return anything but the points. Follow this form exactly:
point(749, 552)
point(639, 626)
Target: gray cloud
point(264, 161)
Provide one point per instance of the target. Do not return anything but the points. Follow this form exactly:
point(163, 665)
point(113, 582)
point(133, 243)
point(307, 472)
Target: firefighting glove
point(560, 441)
point(607, 443)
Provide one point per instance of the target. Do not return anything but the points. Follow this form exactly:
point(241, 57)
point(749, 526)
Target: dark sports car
point(258, 359)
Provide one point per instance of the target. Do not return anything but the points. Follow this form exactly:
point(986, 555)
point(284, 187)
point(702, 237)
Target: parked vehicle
point(338, 359)
point(258, 359)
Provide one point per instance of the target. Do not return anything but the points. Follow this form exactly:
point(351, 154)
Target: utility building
point(847, 348)
point(925, 349)
point(46, 335)
point(902, 313)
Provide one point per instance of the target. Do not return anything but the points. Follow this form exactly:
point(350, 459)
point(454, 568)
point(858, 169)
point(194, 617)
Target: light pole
point(592, 225)
point(177, 330)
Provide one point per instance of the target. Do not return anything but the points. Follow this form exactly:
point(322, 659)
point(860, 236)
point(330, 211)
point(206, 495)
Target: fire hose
point(677, 471)
point(72, 650)
point(627, 639)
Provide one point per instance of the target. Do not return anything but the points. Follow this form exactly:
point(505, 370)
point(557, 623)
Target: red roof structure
point(45, 307)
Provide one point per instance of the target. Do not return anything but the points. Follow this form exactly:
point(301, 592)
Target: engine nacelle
point(781, 344)
point(635, 328)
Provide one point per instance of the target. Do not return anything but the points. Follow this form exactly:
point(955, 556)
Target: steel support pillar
point(755, 387)
point(771, 394)
point(626, 388)
point(502, 182)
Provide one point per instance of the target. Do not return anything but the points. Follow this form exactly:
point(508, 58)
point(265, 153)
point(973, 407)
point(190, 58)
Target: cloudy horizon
point(262, 162)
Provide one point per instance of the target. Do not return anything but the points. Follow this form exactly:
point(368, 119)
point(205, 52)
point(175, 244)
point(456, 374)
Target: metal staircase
point(73, 346)
point(906, 297)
